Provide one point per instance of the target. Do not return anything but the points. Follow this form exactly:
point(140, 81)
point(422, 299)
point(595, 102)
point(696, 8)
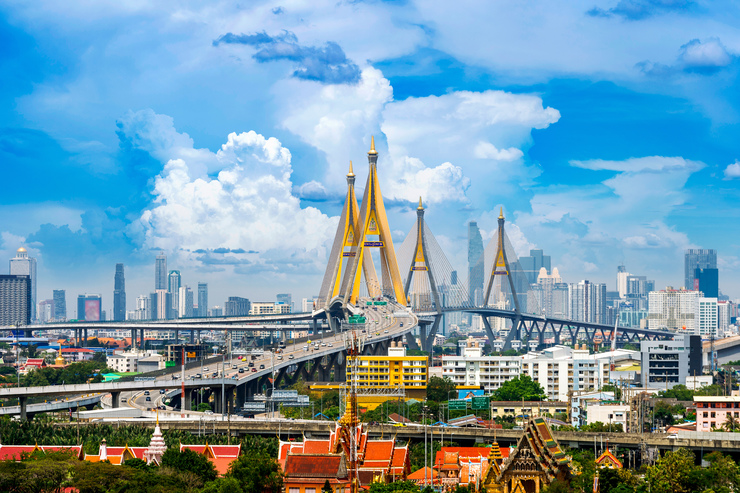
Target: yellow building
point(387, 373)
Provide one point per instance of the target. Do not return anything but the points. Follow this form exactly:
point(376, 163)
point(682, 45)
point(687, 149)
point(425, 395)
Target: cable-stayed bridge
point(417, 276)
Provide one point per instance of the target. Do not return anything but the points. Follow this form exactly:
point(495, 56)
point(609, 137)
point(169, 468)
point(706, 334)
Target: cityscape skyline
point(608, 136)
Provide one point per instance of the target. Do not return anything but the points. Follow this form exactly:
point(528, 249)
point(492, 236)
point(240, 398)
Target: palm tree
point(731, 423)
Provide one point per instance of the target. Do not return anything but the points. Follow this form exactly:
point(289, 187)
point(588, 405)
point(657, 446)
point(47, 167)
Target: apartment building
point(472, 368)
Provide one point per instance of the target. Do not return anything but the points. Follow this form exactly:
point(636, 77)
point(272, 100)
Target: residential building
point(89, 307)
point(119, 294)
point(60, 305)
point(724, 316)
point(665, 364)
point(185, 300)
point(705, 317)
point(45, 311)
point(161, 303)
point(587, 302)
point(76, 354)
point(307, 304)
point(160, 272)
point(609, 414)
point(707, 281)
point(393, 370)
point(475, 264)
point(622, 276)
point(697, 258)
point(286, 299)
point(712, 411)
point(143, 308)
point(532, 265)
point(672, 309)
point(217, 311)
point(472, 368)
point(528, 409)
point(129, 361)
point(236, 307)
point(202, 299)
point(23, 265)
point(268, 308)
point(551, 294)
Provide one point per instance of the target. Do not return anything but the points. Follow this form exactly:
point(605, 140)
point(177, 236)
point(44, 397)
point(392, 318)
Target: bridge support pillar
point(489, 330)
point(29, 333)
point(192, 336)
point(427, 333)
point(141, 339)
point(84, 339)
point(186, 401)
point(217, 404)
point(22, 401)
point(133, 338)
point(115, 399)
point(411, 340)
point(177, 336)
point(340, 370)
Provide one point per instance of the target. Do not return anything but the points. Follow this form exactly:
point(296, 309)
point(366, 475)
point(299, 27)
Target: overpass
point(87, 401)
point(391, 322)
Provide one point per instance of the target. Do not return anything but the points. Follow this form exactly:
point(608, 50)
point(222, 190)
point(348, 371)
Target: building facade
point(186, 302)
point(119, 294)
point(174, 282)
point(697, 258)
point(90, 307)
point(60, 305)
point(532, 265)
point(237, 307)
point(23, 265)
point(394, 370)
point(202, 299)
point(672, 309)
point(160, 272)
point(665, 364)
point(15, 300)
point(475, 264)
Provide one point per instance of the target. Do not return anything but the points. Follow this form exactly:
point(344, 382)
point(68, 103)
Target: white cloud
point(702, 55)
point(650, 163)
point(732, 171)
point(249, 205)
point(486, 150)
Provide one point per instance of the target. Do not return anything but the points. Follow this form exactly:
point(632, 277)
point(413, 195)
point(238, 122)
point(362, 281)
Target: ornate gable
point(607, 459)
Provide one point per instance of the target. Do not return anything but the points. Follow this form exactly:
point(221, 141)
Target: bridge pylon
point(501, 267)
point(420, 265)
point(372, 231)
point(344, 248)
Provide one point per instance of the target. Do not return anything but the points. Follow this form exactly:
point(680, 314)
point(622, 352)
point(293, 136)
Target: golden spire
point(157, 414)
point(421, 207)
point(351, 173)
point(501, 214)
point(372, 150)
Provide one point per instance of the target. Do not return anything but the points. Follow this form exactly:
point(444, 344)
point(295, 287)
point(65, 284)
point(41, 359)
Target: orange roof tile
point(420, 474)
point(313, 465)
point(316, 446)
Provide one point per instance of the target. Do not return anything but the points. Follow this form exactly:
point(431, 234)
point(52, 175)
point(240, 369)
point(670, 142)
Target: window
point(294, 490)
point(310, 490)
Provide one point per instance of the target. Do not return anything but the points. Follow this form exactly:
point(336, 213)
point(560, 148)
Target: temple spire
point(351, 173)
point(501, 214)
point(372, 150)
point(421, 207)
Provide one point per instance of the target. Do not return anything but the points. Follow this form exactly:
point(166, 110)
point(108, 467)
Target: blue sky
point(221, 133)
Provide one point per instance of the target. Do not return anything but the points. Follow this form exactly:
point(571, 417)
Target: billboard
point(469, 394)
point(92, 310)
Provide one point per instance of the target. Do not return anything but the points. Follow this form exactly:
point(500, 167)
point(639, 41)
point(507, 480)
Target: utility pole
point(182, 383)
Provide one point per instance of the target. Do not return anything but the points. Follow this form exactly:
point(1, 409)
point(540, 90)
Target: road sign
point(458, 405)
point(480, 403)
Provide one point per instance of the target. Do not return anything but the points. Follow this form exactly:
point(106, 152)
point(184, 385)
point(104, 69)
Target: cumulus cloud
point(327, 64)
point(700, 57)
point(634, 10)
point(486, 150)
point(732, 171)
point(247, 207)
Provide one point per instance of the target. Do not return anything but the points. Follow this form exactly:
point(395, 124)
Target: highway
point(383, 323)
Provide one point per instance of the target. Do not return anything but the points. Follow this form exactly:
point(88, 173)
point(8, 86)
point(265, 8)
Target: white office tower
point(23, 265)
point(724, 313)
point(672, 309)
point(622, 276)
point(705, 317)
point(144, 308)
point(185, 300)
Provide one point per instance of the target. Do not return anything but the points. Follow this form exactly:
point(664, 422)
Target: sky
point(221, 133)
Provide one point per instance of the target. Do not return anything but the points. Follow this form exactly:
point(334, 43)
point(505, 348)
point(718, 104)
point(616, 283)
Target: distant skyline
point(221, 135)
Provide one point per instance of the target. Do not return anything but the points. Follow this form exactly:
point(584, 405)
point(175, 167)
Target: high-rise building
point(307, 304)
point(89, 307)
point(707, 281)
point(15, 300)
point(23, 265)
point(705, 317)
point(119, 295)
point(668, 363)
point(287, 299)
point(202, 299)
point(174, 283)
point(185, 300)
point(532, 265)
point(144, 308)
point(160, 272)
point(587, 302)
point(622, 276)
point(161, 305)
point(544, 290)
point(697, 258)
point(217, 311)
point(60, 305)
point(236, 306)
point(672, 309)
point(475, 264)
point(45, 311)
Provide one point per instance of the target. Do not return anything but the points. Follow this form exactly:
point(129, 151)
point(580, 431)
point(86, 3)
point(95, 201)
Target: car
point(262, 367)
point(215, 374)
point(254, 369)
point(241, 370)
point(198, 375)
point(146, 392)
point(385, 331)
point(234, 367)
point(290, 357)
point(323, 344)
point(280, 356)
point(124, 400)
point(331, 345)
point(149, 398)
point(377, 333)
point(399, 424)
point(174, 377)
point(234, 377)
point(162, 391)
point(205, 370)
point(401, 324)
point(250, 365)
point(673, 436)
point(208, 412)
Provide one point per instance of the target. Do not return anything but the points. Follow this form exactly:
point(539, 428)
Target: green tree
point(438, 389)
point(203, 407)
point(520, 388)
point(723, 473)
point(327, 487)
point(404, 486)
point(599, 427)
point(223, 485)
point(190, 461)
point(257, 473)
point(673, 473)
point(98, 477)
point(100, 357)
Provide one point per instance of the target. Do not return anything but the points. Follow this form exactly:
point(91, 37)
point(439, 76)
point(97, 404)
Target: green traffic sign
point(480, 403)
point(458, 405)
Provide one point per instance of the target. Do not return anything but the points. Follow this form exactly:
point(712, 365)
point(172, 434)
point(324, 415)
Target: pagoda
point(157, 447)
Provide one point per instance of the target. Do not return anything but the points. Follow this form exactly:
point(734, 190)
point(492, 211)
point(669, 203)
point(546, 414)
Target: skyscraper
point(622, 276)
point(531, 265)
point(587, 302)
point(185, 302)
point(236, 306)
point(707, 281)
point(475, 264)
point(60, 305)
point(119, 295)
point(23, 265)
point(202, 299)
point(160, 272)
point(697, 258)
point(174, 284)
point(15, 300)
point(285, 298)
